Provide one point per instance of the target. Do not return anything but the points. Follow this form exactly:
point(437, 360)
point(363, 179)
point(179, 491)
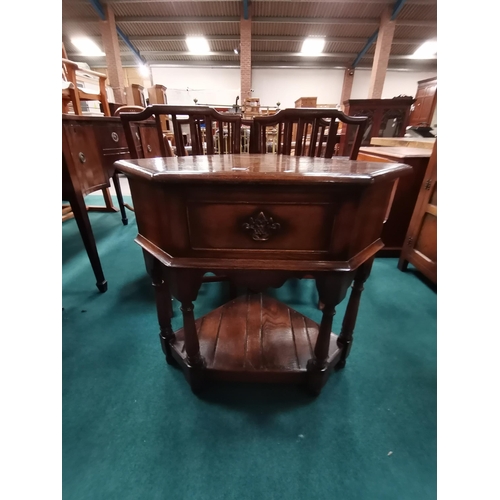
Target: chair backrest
point(308, 132)
point(128, 109)
point(210, 132)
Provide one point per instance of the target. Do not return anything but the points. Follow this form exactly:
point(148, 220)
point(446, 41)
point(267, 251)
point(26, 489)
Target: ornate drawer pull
point(149, 148)
point(82, 158)
point(261, 227)
point(137, 136)
point(115, 137)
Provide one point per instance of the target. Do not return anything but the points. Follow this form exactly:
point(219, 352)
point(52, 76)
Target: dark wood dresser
point(405, 197)
point(259, 219)
point(90, 147)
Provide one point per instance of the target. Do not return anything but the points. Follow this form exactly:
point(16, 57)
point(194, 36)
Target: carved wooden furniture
point(307, 132)
point(90, 147)
point(306, 102)
point(134, 95)
point(405, 197)
point(386, 117)
point(259, 219)
point(158, 95)
point(422, 111)
point(211, 132)
point(420, 247)
point(71, 93)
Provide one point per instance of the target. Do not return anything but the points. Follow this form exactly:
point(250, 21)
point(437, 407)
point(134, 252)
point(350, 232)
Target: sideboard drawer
point(284, 226)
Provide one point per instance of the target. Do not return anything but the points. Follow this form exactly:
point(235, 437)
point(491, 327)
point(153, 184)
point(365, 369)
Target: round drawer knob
point(82, 158)
point(114, 136)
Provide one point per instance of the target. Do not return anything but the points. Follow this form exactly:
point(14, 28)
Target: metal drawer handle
point(114, 136)
point(149, 148)
point(261, 227)
point(82, 158)
point(137, 136)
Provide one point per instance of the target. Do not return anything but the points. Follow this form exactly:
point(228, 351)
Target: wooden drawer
point(260, 223)
point(84, 156)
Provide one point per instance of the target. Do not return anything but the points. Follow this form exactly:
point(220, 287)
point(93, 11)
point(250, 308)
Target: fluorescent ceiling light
point(312, 46)
point(197, 45)
point(87, 47)
point(143, 70)
point(426, 51)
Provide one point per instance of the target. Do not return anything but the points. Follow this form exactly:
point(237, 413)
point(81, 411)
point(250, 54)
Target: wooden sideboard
point(420, 246)
point(90, 147)
point(386, 117)
point(259, 219)
point(405, 197)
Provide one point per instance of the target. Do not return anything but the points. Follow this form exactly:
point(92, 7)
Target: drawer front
point(113, 144)
point(84, 156)
point(260, 226)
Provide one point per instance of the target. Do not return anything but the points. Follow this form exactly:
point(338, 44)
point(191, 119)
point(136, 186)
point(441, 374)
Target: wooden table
point(411, 142)
point(259, 219)
point(90, 147)
point(406, 194)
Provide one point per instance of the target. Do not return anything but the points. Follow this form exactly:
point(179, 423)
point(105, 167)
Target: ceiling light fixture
point(426, 51)
point(312, 46)
point(87, 47)
point(143, 70)
point(197, 45)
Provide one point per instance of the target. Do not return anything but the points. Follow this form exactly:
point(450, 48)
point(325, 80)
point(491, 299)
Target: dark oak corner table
point(259, 219)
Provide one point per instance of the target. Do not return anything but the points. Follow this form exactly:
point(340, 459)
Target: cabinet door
point(420, 248)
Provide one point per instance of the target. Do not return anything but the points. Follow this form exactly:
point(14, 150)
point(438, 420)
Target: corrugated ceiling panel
point(81, 29)
point(77, 9)
point(318, 9)
point(177, 9)
point(418, 12)
point(298, 29)
point(145, 29)
point(415, 32)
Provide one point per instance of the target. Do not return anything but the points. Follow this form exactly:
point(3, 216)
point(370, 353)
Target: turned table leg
point(346, 334)
point(185, 284)
point(332, 288)
point(163, 305)
point(119, 195)
point(82, 220)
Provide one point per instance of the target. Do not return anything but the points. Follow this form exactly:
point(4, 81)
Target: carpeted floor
point(133, 430)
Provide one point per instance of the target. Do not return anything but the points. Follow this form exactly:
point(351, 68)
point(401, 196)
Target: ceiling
point(156, 31)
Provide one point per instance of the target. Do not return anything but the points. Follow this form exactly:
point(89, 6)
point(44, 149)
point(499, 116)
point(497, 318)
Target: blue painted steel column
point(98, 8)
point(395, 11)
point(245, 9)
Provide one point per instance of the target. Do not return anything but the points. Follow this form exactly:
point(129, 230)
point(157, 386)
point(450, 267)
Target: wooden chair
point(74, 95)
point(210, 132)
point(309, 132)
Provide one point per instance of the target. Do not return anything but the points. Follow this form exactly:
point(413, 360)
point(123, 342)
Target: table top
point(396, 152)
point(416, 142)
point(261, 168)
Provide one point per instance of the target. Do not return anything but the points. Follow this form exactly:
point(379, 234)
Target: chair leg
point(118, 189)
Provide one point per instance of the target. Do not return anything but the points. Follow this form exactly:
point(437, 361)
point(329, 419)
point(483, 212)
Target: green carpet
point(132, 429)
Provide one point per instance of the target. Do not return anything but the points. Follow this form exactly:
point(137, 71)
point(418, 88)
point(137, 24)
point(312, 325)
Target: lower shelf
point(255, 338)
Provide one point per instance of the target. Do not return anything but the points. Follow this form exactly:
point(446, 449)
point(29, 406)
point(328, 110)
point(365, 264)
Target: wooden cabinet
point(386, 118)
point(423, 109)
point(405, 197)
point(306, 102)
point(135, 95)
point(420, 248)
